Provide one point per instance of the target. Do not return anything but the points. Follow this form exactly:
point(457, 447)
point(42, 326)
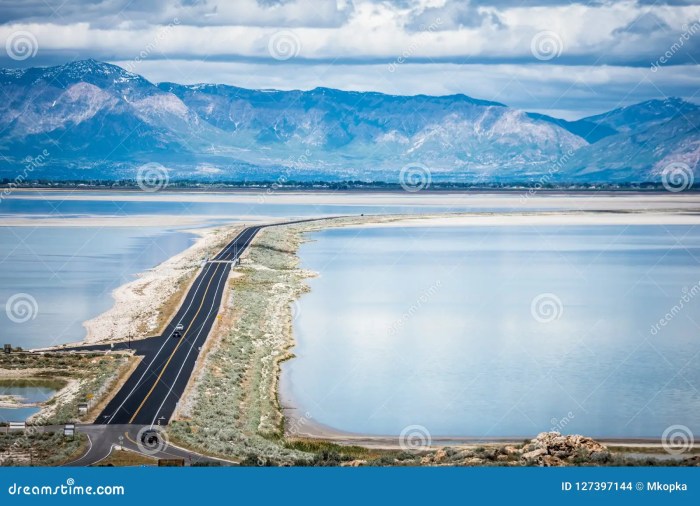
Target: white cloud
point(377, 30)
point(605, 46)
point(565, 91)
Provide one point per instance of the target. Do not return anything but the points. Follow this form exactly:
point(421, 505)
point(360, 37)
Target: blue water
point(62, 276)
point(29, 394)
point(71, 271)
point(435, 327)
point(223, 207)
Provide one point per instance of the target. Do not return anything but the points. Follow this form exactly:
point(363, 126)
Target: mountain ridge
point(101, 121)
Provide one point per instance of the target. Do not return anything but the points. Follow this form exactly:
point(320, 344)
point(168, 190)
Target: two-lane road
point(150, 394)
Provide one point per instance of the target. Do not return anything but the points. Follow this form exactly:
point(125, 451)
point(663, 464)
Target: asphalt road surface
point(150, 394)
point(102, 439)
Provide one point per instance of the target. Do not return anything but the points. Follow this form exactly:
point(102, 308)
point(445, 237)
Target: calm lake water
point(62, 276)
point(62, 204)
point(70, 272)
point(500, 331)
point(29, 394)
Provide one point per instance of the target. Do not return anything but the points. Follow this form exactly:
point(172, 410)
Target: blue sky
point(568, 59)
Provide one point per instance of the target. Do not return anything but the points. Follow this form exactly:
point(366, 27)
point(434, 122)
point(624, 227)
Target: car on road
point(177, 334)
point(180, 327)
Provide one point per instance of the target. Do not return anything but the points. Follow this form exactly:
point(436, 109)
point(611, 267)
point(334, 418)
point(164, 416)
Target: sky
point(568, 59)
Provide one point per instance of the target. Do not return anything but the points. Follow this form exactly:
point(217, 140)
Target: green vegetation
point(234, 411)
point(208, 185)
point(82, 378)
point(125, 458)
point(39, 448)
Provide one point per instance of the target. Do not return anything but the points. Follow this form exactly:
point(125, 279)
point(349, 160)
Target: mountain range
point(93, 120)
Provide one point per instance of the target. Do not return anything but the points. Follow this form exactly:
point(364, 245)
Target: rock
point(692, 461)
point(553, 449)
point(534, 453)
point(440, 455)
point(354, 463)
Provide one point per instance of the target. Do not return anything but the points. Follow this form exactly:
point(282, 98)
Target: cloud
point(564, 91)
point(644, 24)
point(612, 33)
point(330, 37)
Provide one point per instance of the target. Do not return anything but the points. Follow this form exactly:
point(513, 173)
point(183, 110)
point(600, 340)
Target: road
point(102, 439)
point(149, 396)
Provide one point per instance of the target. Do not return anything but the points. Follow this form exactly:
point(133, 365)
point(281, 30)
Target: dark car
point(177, 334)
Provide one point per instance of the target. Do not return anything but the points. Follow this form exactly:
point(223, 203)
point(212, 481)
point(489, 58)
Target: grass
point(89, 376)
point(233, 411)
point(52, 383)
point(40, 449)
point(651, 450)
point(126, 458)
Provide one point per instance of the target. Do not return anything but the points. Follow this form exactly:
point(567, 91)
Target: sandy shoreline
point(138, 306)
point(138, 303)
point(671, 217)
point(301, 425)
point(518, 200)
point(165, 221)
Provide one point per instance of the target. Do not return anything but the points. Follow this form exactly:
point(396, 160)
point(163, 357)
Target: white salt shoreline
point(137, 307)
point(551, 218)
point(138, 303)
point(517, 200)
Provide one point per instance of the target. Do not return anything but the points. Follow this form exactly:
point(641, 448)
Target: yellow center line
point(194, 318)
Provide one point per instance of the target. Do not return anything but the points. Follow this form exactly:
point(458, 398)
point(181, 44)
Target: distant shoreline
point(436, 189)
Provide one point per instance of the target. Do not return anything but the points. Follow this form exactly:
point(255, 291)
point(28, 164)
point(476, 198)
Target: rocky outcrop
point(547, 449)
point(553, 449)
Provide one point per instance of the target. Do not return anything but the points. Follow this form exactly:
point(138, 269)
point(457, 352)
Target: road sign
point(82, 408)
point(22, 426)
point(8, 348)
point(69, 430)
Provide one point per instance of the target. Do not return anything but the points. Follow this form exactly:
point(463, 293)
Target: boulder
point(553, 449)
